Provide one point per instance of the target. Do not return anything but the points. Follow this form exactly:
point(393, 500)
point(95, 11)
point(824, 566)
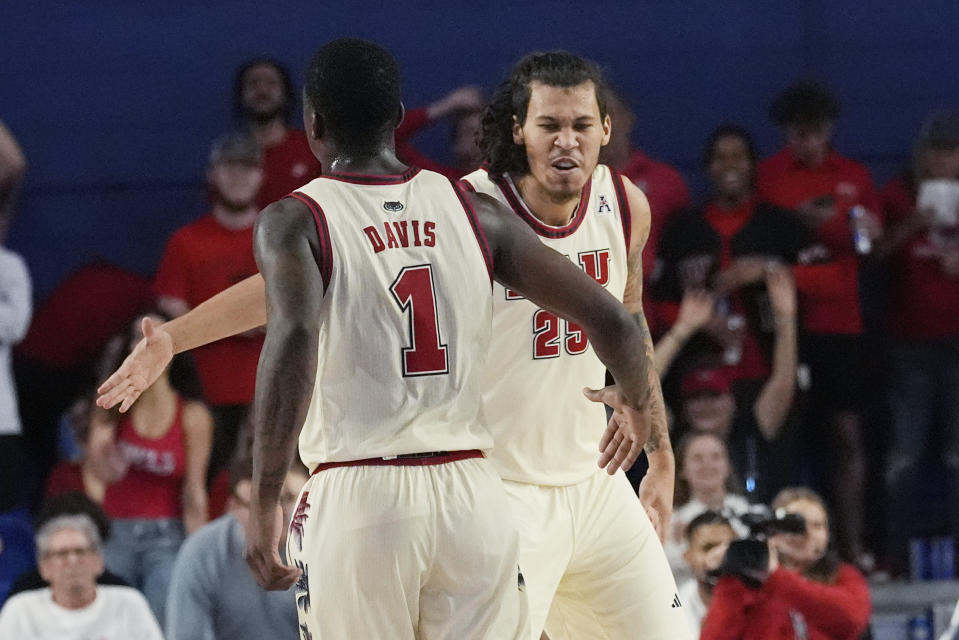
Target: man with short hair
point(198, 605)
point(264, 98)
point(74, 606)
point(376, 348)
point(707, 537)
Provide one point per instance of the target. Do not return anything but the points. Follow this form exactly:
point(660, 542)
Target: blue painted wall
point(116, 102)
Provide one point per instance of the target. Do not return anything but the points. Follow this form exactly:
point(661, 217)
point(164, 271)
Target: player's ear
point(607, 130)
point(518, 137)
point(400, 116)
point(317, 127)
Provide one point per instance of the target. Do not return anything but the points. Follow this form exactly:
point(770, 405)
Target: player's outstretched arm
point(550, 280)
point(285, 244)
point(240, 308)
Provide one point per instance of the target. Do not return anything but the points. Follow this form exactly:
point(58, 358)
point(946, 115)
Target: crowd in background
point(806, 327)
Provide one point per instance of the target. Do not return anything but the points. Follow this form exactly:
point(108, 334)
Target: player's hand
point(262, 551)
point(656, 495)
point(627, 431)
point(140, 369)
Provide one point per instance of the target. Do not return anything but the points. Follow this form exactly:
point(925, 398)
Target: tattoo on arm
point(659, 432)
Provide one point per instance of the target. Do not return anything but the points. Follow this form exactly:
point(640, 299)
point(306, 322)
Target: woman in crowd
point(164, 441)
point(808, 593)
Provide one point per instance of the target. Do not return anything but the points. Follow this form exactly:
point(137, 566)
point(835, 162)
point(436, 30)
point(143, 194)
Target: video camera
point(748, 558)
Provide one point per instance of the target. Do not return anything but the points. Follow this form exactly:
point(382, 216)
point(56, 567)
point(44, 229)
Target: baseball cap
point(940, 131)
point(235, 147)
point(705, 380)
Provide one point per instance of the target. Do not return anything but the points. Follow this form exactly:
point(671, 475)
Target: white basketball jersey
point(406, 318)
point(545, 431)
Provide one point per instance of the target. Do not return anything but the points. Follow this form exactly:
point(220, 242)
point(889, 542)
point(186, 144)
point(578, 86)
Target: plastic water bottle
point(860, 237)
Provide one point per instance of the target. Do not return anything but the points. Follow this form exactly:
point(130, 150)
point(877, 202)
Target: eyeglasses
point(61, 555)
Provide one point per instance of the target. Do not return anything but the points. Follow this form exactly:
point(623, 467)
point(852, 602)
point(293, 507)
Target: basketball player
point(542, 135)
point(378, 280)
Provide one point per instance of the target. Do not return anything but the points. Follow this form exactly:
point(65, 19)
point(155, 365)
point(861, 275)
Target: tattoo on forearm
point(659, 432)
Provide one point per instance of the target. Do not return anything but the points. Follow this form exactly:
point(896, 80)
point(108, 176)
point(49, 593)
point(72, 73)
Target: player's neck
point(269, 133)
point(548, 208)
point(235, 219)
point(376, 163)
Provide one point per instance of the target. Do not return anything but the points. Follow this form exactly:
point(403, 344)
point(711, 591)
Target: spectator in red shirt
point(663, 185)
point(464, 106)
point(922, 318)
point(206, 257)
point(158, 494)
point(808, 175)
point(807, 593)
point(263, 96)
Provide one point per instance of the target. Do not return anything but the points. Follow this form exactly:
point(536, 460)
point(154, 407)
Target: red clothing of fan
point(415, 120)
point(788, 602)
point(65, 477)
point(201, 260)
point(153, 482)
point(666, 192)
point(287, 166)
point(783, 180)
point(923, 300)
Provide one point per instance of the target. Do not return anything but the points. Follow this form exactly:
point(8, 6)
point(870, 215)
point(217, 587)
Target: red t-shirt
point(784, 181)
point(287, 166)
point(89, 307)
point(152, 486)
point(413, 121)
point(201, 260)
point(787, 601)
point(667, 193)
point(923, 301)
point(65, 477)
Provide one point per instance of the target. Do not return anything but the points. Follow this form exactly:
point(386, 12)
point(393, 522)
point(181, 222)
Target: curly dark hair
point(729, 131)
point(807, 102)
point(354, 85)
point(511, 100)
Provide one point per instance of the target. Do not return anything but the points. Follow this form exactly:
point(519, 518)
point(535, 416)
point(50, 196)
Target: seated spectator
point(198, 607)
point(263, 96)
point(704, 482)
point(206, 257)
point(70, 503)
point(465, 107)
point(808, 175)
point(807, 592)
point(707, 538)
point(165, 442)
point(663, 185)
point(16, 305)
point(922, 318)
point(74, 607)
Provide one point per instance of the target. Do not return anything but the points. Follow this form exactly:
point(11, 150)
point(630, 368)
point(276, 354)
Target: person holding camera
point(800, 591)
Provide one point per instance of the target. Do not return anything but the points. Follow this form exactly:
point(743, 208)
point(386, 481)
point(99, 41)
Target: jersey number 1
point(413, 292)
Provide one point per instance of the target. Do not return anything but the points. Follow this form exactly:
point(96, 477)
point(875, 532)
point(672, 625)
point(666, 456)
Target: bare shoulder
point(640, 216)
point(495, 218)
point(196, 414)
point(283, 220)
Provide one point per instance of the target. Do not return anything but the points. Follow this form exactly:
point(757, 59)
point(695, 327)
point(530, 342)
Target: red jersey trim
point(323, 233)
point(625, 214)
point(465, 184)
point(414, 460)
point(363, 178)
point(477, 229)
point(542, 229)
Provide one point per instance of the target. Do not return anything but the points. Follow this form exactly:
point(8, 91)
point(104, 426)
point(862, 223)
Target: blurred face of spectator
point(240, 500)
point(705, 464)
point(563, 134)
point(620, 139)
point(730, 167)
point(809, 142)
point(71, 564)
point(803, 551)
point(940, 163)
point(465, 129)
point(235, 184)
point(710, 411)
point(262, 93)
point(707, 546)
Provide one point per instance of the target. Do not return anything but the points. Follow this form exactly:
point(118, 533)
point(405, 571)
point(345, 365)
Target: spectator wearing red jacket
point(808, 175)
point(922, 319)
point(264, 98)
point(807, 594)
point(464, 107)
